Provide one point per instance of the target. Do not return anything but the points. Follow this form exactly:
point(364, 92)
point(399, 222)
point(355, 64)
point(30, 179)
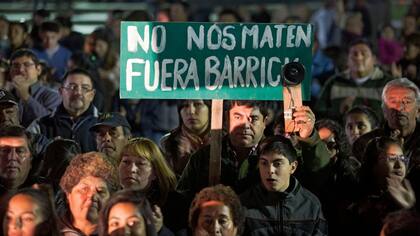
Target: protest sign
point(211, 60)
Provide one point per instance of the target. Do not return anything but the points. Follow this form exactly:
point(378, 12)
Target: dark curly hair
point(222, 194)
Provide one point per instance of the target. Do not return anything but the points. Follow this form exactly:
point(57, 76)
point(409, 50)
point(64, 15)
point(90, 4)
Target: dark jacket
point(60, 123)
point(339, 91)
point(314, 161)
point(293, 212)
point(233, 173)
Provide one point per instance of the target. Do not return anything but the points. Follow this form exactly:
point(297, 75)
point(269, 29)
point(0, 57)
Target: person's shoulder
point(248, 198)
point(307, 198)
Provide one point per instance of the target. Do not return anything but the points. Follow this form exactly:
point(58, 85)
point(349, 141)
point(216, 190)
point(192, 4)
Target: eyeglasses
point(26, 65)
point(394, 158)
point(74, 87)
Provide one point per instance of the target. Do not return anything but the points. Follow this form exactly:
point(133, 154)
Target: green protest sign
point(211, 60)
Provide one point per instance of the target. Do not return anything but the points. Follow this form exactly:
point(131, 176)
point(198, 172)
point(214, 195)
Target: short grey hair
point(401, 83)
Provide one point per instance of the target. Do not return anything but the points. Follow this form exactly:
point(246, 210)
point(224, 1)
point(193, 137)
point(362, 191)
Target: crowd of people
point(75, 159)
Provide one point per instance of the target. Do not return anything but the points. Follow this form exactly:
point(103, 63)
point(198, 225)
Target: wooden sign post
point(216, 141)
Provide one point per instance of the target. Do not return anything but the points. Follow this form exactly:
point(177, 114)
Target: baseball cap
point(112, 119)
point(7, 97)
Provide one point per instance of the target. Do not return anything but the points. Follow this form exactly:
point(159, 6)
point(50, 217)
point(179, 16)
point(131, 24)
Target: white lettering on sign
point(134, 39)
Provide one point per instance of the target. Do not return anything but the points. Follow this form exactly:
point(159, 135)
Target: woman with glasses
point(143, 168)
point(383, 186)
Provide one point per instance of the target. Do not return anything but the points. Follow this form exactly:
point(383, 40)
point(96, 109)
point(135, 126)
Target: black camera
point(293, 74)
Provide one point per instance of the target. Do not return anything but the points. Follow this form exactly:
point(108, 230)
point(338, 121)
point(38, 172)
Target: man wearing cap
point(111, 134)
point(9, 110)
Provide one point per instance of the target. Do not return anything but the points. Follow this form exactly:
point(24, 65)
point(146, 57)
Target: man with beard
point(401, 107)
point(35, 99)
point(111, 134)
point(73, 118)
point(15, 158)
point(9, 110)
point(246, 124)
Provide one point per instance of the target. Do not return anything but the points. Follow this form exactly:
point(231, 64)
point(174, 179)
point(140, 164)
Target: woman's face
point(22, 217)
point(125, 219)
point(392, 163)
point(87, 198)
point(135, 172)
point(215, 219)
point(356, 125)
point(195, 115)
point(101, 48)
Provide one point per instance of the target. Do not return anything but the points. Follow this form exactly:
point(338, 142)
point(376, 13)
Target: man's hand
point(304, 121)
point(21, 84)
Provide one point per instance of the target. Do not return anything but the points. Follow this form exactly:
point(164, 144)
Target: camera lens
point(293, 73)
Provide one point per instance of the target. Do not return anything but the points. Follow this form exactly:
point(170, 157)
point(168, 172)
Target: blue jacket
point(42, 102)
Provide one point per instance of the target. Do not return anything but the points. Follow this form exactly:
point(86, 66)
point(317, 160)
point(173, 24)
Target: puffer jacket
point(294, 212)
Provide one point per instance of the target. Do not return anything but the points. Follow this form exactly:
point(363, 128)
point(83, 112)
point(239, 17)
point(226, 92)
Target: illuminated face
point(22, 217)
point(361, 61)
point(195, 116)
point(275, 171)
point(125, 219)
point(135, 173)
point(215, 219)
point(110, 140)
point(15, 161)
point(356, 125)
point(77, 93)
point(87, 198)
point(24, 66)
point(246, 126)
point(391, 163)
point(401, 109)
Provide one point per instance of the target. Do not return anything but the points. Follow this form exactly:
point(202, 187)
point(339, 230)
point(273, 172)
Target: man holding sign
point(222, 61)
point(239, 148)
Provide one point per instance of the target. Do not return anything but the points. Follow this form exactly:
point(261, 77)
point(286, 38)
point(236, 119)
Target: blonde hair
point(147, 149)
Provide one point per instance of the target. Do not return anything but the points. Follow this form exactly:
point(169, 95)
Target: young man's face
point(50, 39)
point(246, 126)
point(275, 171)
